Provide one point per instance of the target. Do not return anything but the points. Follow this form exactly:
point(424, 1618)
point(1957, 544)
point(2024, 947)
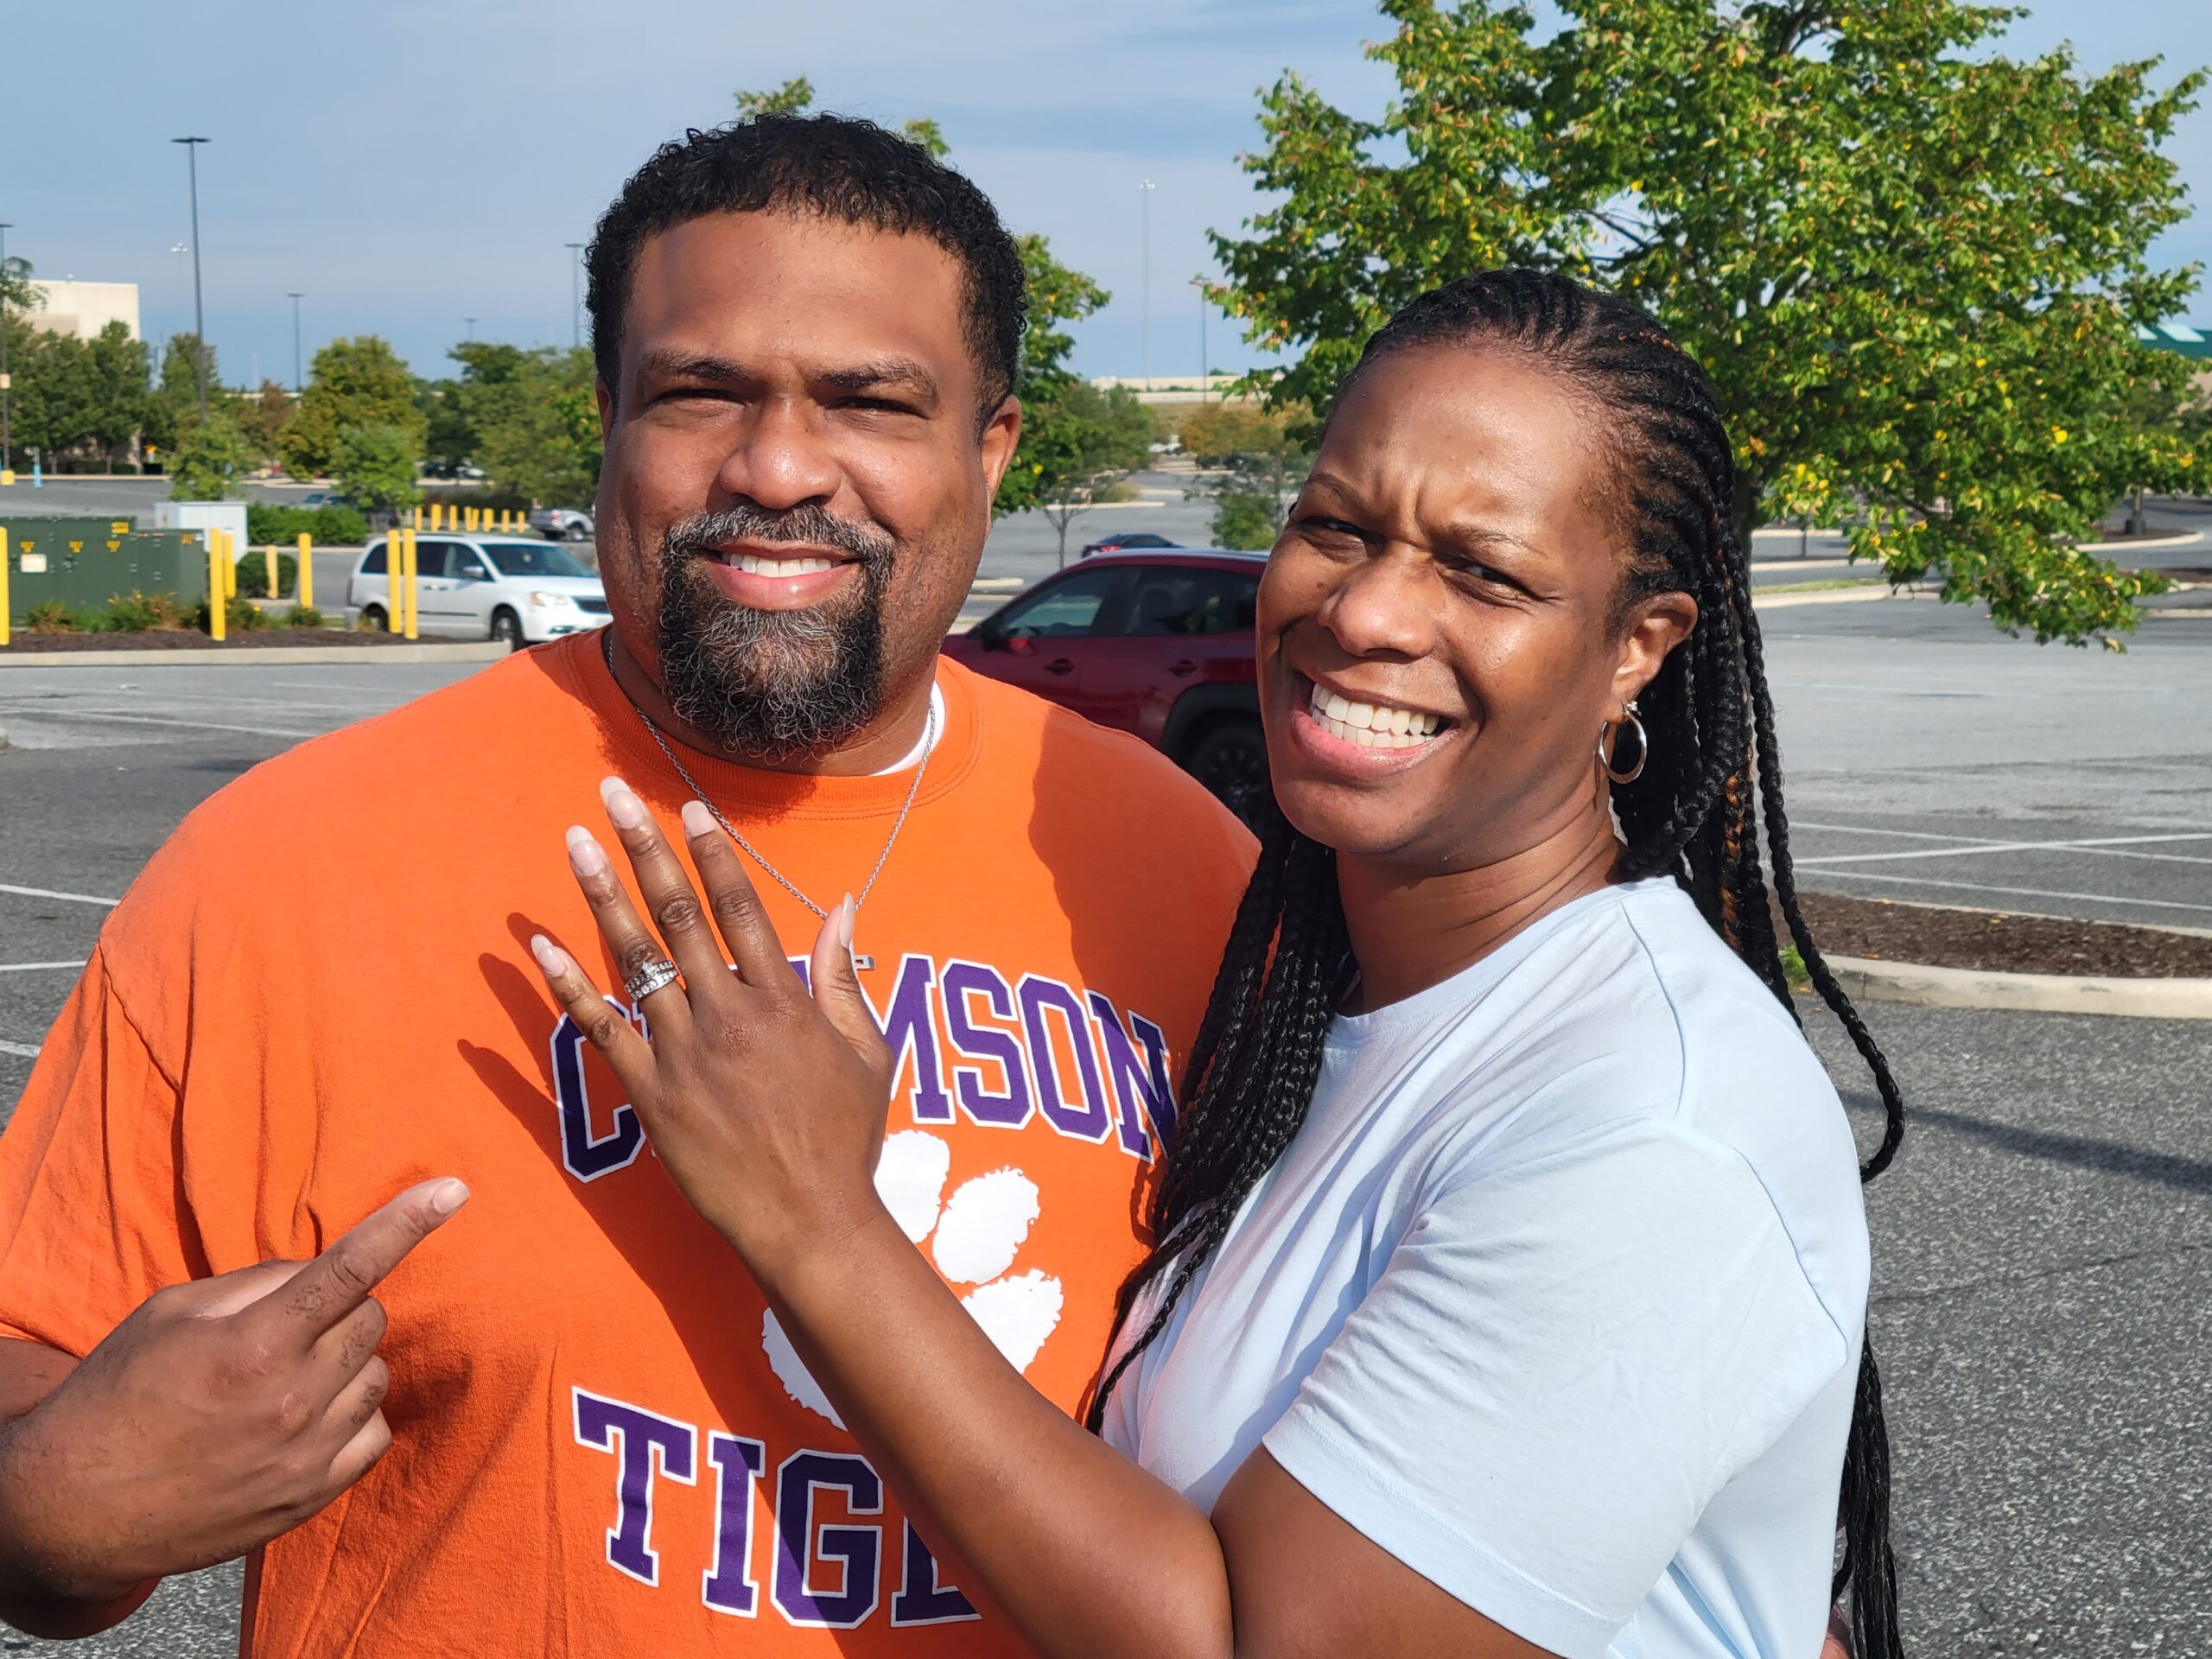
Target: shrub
point(1246, 519)
point(138, 613)
point(336, 526)
point(57, 616)
point(305, 616)
point(253, 574)
point(240, 615)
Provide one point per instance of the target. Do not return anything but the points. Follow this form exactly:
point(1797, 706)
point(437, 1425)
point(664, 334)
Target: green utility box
point(87, 561)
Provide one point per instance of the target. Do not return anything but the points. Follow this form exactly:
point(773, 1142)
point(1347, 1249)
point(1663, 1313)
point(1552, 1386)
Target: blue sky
point(408, 164)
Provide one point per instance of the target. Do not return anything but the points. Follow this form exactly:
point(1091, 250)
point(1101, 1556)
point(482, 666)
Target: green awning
point(2176, 337)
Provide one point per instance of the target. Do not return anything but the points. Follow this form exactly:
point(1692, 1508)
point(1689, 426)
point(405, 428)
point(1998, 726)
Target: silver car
point(515, 589)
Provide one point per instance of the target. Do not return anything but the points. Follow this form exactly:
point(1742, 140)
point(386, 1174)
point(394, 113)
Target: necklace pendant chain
point(929, 746)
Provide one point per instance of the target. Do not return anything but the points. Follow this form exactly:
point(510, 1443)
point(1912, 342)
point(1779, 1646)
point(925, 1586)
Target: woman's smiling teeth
point(759, 567)
point(1372, 725)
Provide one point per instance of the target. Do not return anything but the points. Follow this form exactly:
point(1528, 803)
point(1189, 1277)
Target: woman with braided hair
point(1509, 1286)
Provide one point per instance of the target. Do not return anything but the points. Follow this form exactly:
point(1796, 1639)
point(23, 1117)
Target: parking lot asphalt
point(2043, 1286)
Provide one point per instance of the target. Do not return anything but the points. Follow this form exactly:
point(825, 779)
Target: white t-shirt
point(1557, 1296)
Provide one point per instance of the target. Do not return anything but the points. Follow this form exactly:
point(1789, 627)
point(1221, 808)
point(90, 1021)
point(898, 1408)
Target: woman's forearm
point(1083, 1551)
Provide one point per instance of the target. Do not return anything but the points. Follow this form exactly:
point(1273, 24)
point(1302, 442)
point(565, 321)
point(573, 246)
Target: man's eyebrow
point(664, 363)
point(883, 371)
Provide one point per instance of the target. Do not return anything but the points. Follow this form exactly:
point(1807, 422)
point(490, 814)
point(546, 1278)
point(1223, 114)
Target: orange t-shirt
point(601, 1443)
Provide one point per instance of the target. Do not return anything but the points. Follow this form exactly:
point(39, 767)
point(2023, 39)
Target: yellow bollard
point(269, 557)
point(3, 584)
point(306, 583)
point(215, 600)
point(412, 589)
point(395, 618)
point(476, 518)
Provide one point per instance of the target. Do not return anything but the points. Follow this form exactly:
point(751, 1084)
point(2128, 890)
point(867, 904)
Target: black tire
point(506, 628)
point(375, 617)
point(575, 532)
point(1231, 758)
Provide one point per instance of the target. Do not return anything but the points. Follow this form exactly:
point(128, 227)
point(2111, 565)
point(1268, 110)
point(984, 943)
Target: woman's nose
point(1385, 606)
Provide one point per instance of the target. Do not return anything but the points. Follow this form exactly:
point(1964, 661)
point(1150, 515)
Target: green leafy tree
point(117, 367)
point(18, 292)
point(354, 383)
point(1085, 444)
point(377, 466)
point(794, 97)
point(53, 397)
point(212, 456)
point(175, 406)
point(1912, 265)
point(263, 418)
point(527, 417)
point(1254, 459)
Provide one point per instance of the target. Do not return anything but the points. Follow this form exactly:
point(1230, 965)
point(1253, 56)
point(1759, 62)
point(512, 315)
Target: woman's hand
point(766, 1104)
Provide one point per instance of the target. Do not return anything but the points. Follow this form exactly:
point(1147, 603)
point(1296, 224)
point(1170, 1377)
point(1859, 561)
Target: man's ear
point(1655, 626)
point(1001, 436)
point(606, 401)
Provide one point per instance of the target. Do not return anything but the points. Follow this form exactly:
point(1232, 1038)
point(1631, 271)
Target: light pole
point(1199, 282)
point(199, 313)
point(576, 293)
point(5, 226)
point(296, 299)
point(471, 321)
point(1146, 186)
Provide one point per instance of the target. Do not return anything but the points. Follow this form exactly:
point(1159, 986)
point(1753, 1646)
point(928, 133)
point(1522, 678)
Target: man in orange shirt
point(565, 1423)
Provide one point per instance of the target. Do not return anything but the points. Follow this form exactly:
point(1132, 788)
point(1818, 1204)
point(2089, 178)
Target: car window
point(1066, 609)
point(467, 567)
point(1167, 600)
point(431, 557)
point(534, 559)
point(373, 562)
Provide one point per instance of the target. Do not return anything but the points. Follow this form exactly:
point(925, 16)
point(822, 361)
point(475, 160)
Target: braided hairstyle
point(1690, 813)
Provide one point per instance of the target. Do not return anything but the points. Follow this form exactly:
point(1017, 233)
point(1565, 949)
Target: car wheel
point(575, 532)
point(506, 628)
point(374, 616)
point(1230, 760)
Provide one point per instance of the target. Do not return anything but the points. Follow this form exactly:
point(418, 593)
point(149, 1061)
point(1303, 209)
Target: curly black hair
point(834, 167)
point(1690, 813)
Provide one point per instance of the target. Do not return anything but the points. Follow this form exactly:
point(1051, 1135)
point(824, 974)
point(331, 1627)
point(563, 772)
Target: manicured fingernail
point(697, 820)
point(624, 807)
point(586, 856)
point(848, 914)
point(550, 956)
point(448, 1197)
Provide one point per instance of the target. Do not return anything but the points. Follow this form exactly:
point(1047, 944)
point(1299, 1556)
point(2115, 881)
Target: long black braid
point(1711, 749)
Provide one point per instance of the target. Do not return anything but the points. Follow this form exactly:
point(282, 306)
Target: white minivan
point(515, 589)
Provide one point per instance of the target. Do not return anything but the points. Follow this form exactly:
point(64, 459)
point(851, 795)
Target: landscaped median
point(1888, 951)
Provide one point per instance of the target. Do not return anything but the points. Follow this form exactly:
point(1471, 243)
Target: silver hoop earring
point(1609, 762)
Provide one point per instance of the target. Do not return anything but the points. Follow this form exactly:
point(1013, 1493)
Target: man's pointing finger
point(340, 1280)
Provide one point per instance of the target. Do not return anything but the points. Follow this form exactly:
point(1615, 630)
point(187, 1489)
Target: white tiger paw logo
point(979, 1231)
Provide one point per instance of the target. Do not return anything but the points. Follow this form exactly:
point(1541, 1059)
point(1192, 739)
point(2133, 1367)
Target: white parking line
point(2101, 846)
point(28, 1051)
point(48, 892)
point(34, 967)
point(63, 716)
point(2023, 893)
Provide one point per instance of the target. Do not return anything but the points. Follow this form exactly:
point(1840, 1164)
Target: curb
point(272, 656)
point(1773, 598)
point(1968, 988)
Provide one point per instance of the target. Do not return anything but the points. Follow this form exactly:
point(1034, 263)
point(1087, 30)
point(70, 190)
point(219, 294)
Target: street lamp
point(199, 314)
point(576, 293)
point(296, 299)
point(1147, 188)
point(6, 475)
point(471, 321)
point(1199, 282)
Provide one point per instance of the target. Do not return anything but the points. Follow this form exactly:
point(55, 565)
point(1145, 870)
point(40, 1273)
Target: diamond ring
point(653, 977)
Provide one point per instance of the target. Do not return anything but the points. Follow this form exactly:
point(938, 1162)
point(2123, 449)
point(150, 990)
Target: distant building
point(1170, 388)
point(85, 308)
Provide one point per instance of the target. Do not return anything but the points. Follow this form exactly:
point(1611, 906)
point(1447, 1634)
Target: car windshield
point(525, 559)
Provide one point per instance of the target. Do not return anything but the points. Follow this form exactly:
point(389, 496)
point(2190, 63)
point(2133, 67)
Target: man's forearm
point(1081, 1549)
point(29, 1371)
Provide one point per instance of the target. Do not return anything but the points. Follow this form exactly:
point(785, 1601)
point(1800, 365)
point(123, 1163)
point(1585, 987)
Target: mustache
point(808, 524)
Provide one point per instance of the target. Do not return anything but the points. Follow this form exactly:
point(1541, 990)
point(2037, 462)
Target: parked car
point(563, 523)
point(1159, 644)
point(1128, 539)
point(323, 498)
point(510, 588)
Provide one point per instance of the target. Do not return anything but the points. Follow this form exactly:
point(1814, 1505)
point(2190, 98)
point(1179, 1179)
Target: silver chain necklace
point(929, 747)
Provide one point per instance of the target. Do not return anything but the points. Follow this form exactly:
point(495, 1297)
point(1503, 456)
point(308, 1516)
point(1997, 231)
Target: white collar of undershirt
point(932, 730)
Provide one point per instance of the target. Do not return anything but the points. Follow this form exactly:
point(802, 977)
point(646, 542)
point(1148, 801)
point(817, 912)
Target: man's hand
point(766, 1105)
point(221, 1413)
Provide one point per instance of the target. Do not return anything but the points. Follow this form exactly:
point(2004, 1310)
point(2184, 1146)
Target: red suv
point(1155, 642)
